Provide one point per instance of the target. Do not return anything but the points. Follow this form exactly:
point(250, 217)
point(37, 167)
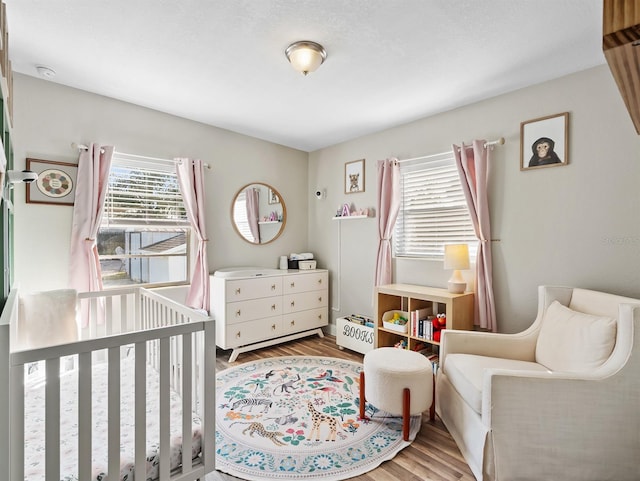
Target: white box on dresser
point(255, 309)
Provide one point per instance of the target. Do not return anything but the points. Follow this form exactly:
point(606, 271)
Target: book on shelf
point(435, 362)
point(431, 353)
point(416, 317)
point(424, 329)
point(360, 319)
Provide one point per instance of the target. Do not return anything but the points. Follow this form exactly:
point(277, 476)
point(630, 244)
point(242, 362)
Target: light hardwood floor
point(432, 456)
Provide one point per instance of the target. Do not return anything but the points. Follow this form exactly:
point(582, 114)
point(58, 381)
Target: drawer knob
point(293, 303)
point(320, 316)
point(319, 281)
point(273, 307)
point(238, 335)
point(273, 287)
point(293, 323)
point(293, 284)
point(320, 299)
point(238, 313)
point(237, 291)
point(273, 327)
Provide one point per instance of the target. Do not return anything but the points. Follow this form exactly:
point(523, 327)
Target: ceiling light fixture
point(45, 72)
point(305, 56)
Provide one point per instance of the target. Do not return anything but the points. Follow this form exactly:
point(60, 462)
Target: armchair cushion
point(572, 341)
point(466, 374)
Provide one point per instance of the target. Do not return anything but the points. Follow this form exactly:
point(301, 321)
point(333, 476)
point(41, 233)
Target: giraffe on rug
point(317, 418)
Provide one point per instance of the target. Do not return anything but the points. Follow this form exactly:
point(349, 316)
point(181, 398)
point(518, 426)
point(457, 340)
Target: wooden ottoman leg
point(406, 414)
point(432, 409)
point(362, 399)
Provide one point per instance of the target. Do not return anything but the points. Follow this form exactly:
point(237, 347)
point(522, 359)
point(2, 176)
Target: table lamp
point(456, 257)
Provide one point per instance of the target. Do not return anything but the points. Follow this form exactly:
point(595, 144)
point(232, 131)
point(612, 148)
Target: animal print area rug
point(296, 418)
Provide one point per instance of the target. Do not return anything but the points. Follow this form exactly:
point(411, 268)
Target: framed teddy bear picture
point(354, 177)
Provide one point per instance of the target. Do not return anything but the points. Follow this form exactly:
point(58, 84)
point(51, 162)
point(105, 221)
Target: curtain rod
point(142, 157)
point(491, 143)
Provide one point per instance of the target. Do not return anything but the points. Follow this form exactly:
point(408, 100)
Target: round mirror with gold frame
point(258, 213)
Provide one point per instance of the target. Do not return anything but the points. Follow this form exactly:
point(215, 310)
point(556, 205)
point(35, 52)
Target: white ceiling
point(222, 62)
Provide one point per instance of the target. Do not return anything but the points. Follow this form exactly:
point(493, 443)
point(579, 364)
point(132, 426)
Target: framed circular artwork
point(55, 184)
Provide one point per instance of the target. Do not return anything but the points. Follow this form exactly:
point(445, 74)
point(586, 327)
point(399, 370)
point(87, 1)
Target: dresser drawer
point(253, 288)
point(305, 282)
point(253, 309)
point(249, 332)
point(301, 321)
point(304, 301)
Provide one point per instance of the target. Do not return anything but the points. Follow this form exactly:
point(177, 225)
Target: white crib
point(158, 335)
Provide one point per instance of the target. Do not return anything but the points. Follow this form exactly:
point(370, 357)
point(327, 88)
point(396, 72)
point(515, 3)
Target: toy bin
point(387, 321)
point(356, 337)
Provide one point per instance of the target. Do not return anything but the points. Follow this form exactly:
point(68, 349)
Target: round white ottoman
point(397, 381)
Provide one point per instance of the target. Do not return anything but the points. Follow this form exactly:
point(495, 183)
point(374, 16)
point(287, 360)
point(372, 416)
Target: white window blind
point(240, 215)
point(144, 234)
point(433, 210)
point(143, 193)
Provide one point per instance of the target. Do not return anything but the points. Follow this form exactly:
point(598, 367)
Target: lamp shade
point(456, 256)
point(305, 56)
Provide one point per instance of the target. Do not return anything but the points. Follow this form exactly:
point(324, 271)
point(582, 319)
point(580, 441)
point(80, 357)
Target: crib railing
point(141, 309)
point(176, 341)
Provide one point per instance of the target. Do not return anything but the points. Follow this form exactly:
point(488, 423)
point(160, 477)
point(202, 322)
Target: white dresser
point(259, 308)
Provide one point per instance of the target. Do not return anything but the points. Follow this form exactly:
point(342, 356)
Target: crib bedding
point(35, 416)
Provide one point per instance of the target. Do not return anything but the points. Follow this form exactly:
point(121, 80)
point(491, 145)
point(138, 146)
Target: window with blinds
point(240, 218)
point(433, 210)
point(143, 195)
point(144, 234)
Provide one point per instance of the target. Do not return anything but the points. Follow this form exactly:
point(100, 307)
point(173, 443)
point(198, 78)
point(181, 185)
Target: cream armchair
point(559, 401)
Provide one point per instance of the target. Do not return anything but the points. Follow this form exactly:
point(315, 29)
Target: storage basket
point(387, 321)
point(306, 265)
point(356, 337)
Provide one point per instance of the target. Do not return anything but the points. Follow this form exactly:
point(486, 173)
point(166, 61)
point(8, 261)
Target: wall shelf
point(350, 217)
point(269, 222)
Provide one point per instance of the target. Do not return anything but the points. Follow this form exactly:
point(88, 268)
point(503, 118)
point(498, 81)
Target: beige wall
point(574, 225)
point(48, 117)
